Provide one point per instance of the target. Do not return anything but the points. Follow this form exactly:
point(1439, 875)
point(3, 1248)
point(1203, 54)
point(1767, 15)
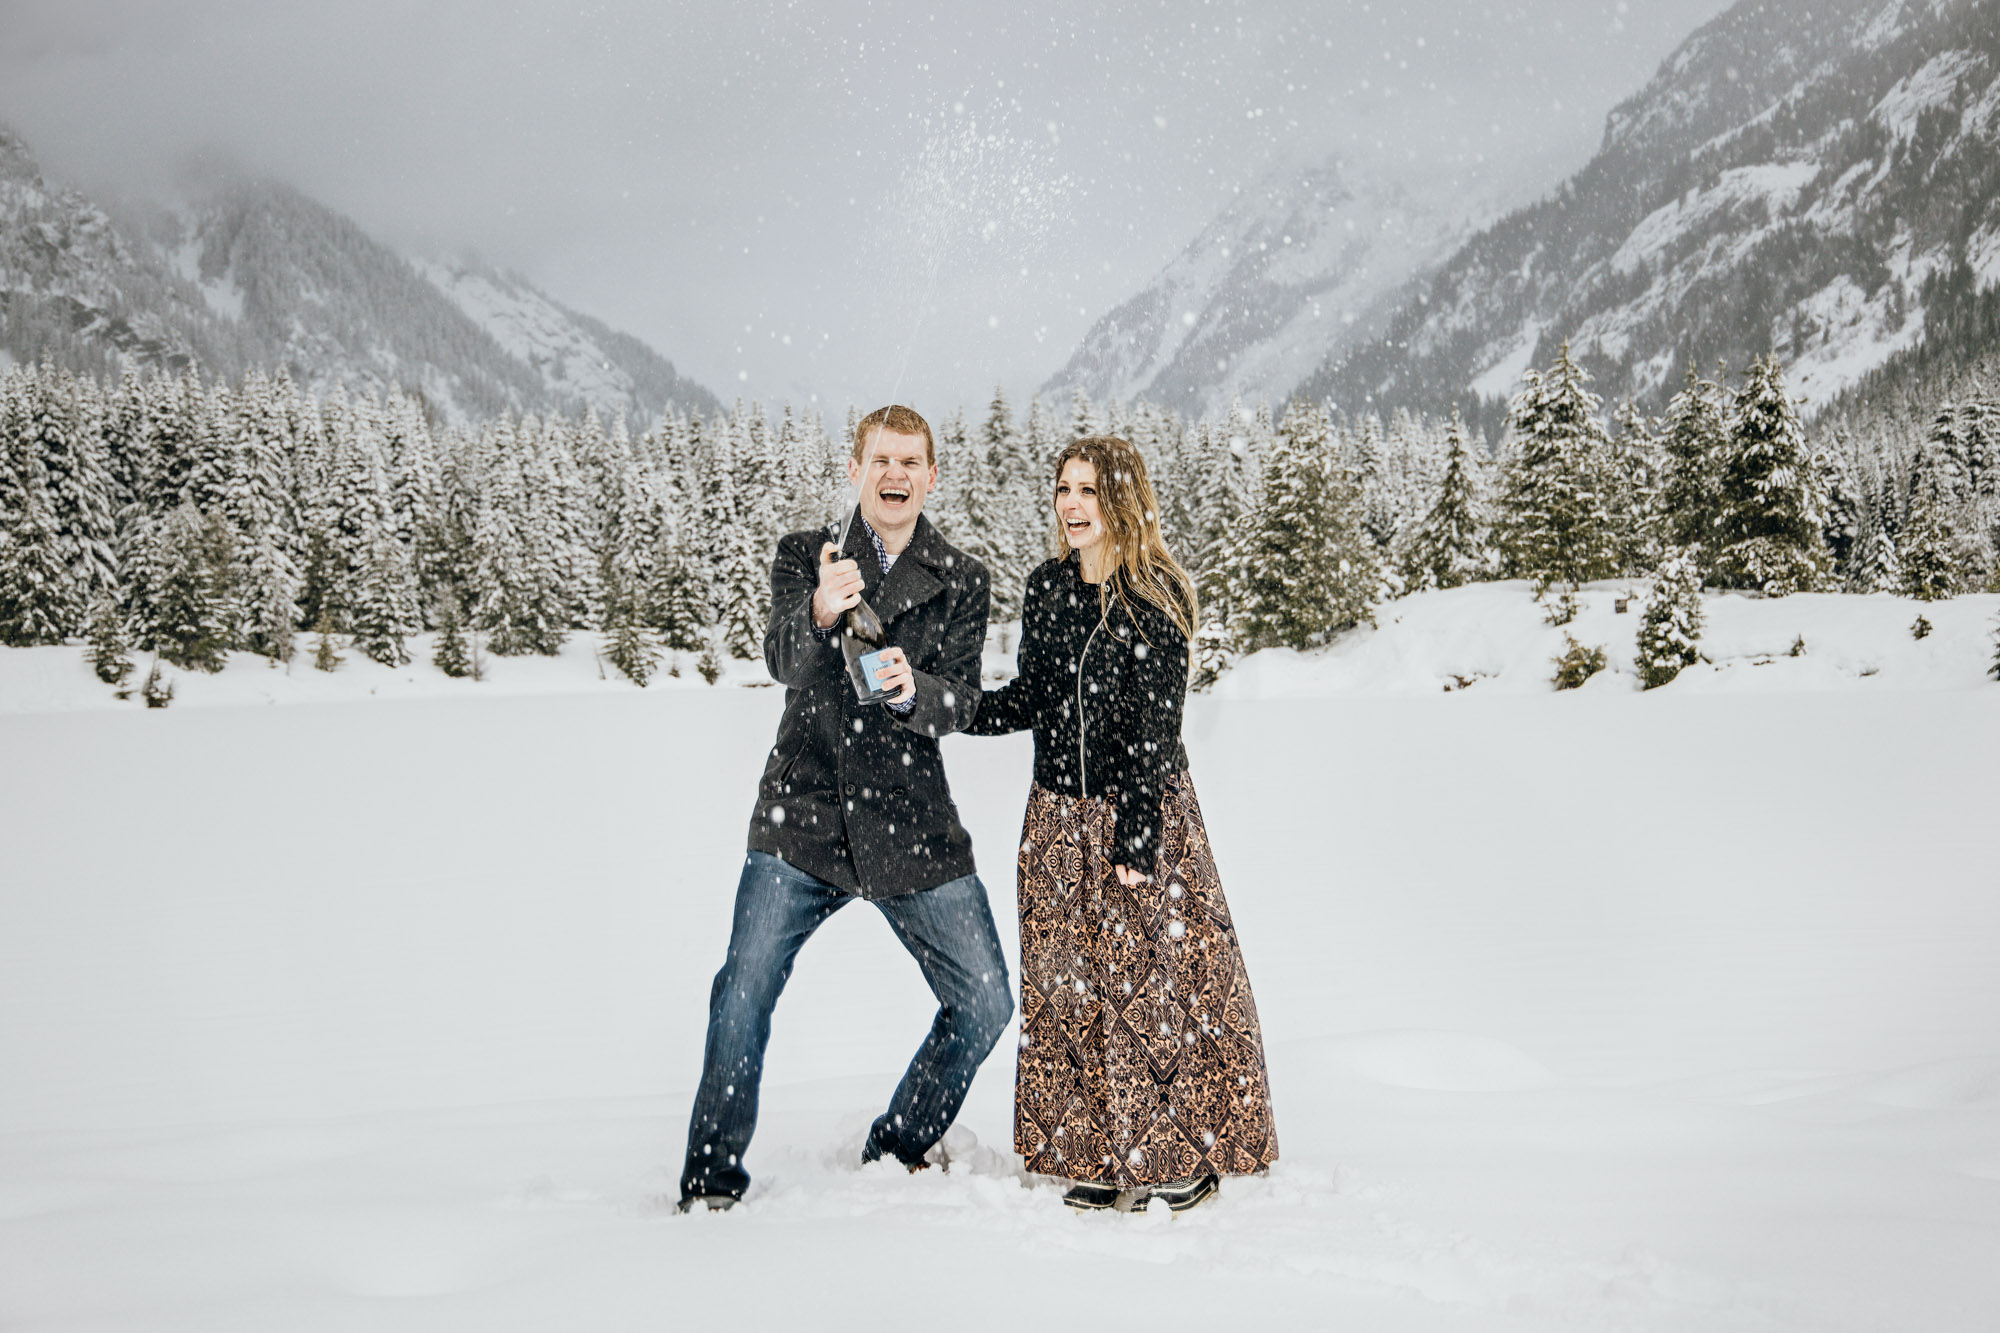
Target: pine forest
point(183, 519)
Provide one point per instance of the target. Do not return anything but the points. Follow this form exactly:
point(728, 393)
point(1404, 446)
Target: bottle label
point(872, 667)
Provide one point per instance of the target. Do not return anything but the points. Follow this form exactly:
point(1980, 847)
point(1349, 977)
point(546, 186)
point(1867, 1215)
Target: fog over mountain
point(842, 200)
point(230, 271)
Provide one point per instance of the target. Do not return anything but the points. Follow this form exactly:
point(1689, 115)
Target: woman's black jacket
point(1102, 681)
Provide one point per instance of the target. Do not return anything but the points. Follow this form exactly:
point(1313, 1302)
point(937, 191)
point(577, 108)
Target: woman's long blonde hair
point(1141, 564)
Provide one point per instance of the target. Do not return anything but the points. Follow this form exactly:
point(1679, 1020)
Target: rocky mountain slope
point(1294, 267)
point(244, 272)
point(1811, 181)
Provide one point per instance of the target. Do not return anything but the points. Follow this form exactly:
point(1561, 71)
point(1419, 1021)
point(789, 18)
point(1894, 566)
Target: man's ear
point(853, 470)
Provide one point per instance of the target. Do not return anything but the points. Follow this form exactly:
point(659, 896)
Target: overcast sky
point(849, 199)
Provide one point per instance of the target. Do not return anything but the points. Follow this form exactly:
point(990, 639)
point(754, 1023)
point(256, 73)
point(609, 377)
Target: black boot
point(717, 1203)
point(1181, 1195)
point(1091, 1197)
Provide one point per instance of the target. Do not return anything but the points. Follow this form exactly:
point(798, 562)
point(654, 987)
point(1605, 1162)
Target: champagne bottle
point(862, 639)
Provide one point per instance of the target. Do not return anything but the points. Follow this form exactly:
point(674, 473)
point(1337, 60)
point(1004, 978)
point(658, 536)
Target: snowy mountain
point(1808, 182)
point(75, 288)
point(575, 357)
point(242, 271)
point(1295, 266)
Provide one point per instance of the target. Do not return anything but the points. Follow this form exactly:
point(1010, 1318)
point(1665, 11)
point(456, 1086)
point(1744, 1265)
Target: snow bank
point(1492, 637)
point(58, 679)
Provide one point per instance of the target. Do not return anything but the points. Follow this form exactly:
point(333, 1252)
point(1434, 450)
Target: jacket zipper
point(1082, 759)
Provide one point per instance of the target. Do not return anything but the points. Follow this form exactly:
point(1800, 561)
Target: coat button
point(899, 792)
point(850, 789)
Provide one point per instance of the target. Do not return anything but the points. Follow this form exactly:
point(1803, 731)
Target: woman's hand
point(1129, 877)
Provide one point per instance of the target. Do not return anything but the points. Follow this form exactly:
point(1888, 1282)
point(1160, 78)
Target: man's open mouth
point(893, 496)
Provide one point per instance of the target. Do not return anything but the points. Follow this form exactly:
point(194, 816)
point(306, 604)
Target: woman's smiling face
point(1076, 505)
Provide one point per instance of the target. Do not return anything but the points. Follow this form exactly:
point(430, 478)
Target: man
point(854, 803)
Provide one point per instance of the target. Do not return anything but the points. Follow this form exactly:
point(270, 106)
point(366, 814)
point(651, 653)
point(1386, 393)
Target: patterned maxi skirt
point(1141, 1059)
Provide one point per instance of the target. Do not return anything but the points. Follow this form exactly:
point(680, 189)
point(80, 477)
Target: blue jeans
point(948, 930)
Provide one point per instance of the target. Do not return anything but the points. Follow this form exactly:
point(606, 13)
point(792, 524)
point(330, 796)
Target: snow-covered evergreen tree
point(1770, 525)
point(1876, 565)
point(517, 600)
point(1932, 553)
point(742, 566)
point(263, 515)
point(410, 459)
point(1447, 549)
point(1881, 567)
point(40, 600)
point(1692, 448)
point(1636, 459)
point(1842, 527)
point(1183, 471)
point(1555, 523)
point(808, 496)
point(190, 614)
point(629, 642)
point(683, 612)
point(64, 424)
point(383, 611)
point(946, 507)
point(1670, 626)
point(994, 527)
point(1302, 565)
point(1084, 418)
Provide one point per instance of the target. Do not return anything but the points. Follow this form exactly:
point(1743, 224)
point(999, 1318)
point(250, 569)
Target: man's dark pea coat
point(855, 794)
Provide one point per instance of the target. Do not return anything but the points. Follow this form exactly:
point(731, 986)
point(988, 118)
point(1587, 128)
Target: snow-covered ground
point(1603, 1010)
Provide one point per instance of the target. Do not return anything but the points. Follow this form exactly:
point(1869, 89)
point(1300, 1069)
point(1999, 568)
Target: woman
point(1141, 1070)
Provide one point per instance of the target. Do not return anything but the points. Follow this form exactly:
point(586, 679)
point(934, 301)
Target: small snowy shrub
point(1212, 652)
point(449, 654)
point(1577, 664)
point(1798, 648)
point(710, 665)
point(158, 691)
point(325, 656)
point(1670, 625)
point(1920, 628)
point(633, 650)
point(1562, 610)
point(106, 652)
